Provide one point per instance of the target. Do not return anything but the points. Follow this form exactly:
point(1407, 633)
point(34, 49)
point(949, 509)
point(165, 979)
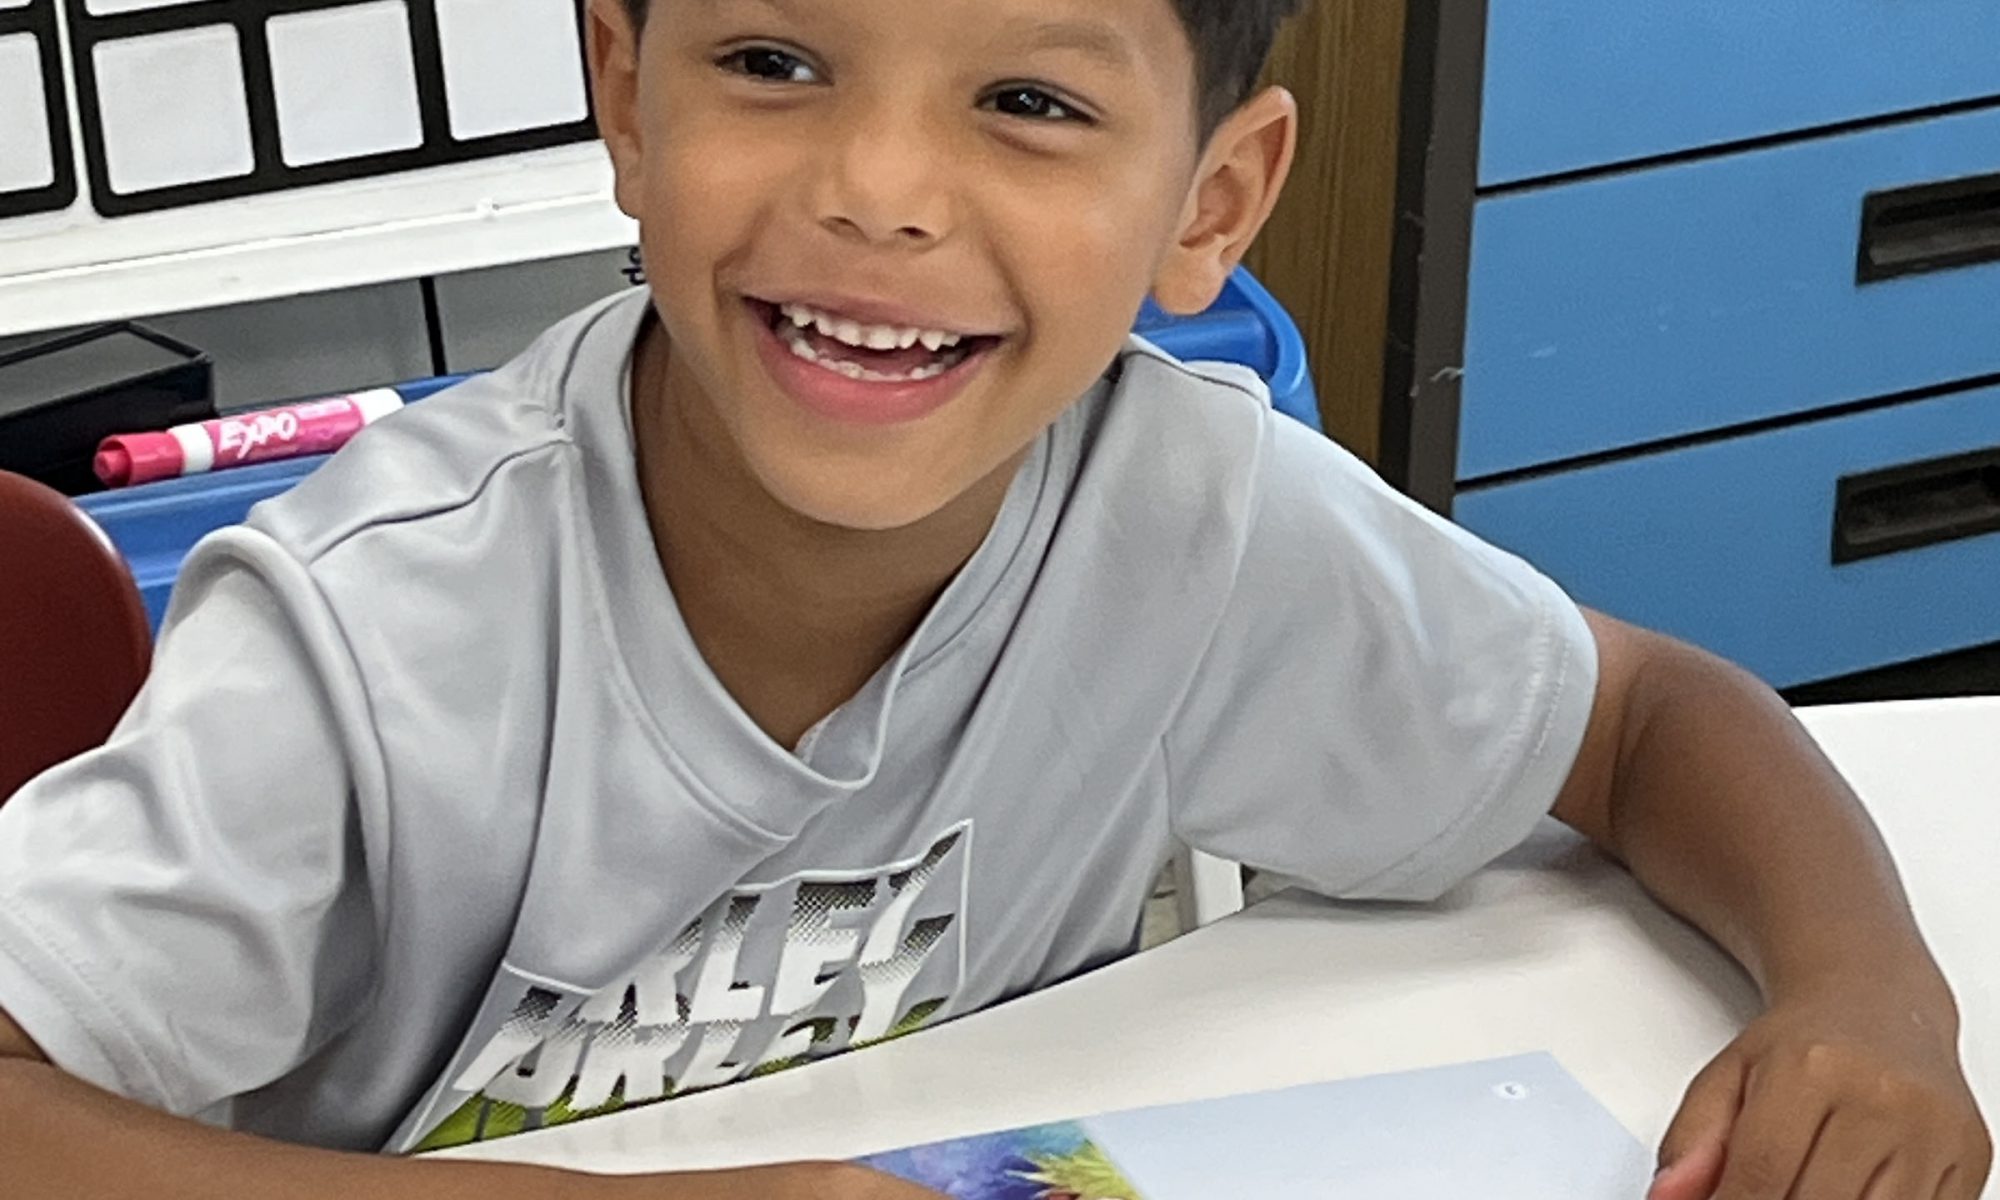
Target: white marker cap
point(377, 403)
point(197, 448)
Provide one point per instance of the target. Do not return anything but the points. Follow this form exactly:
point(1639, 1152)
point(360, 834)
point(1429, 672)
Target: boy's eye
point(771, 65)
point(1034, 104)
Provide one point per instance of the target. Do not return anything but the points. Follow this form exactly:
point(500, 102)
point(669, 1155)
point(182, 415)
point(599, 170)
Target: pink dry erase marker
point(297, 430)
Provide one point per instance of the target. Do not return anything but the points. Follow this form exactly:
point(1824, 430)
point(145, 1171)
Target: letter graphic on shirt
point(712, 1064)
point(815, 942)
point(542, 1076)
point(532, 1023)
point(718, 994)
point(905, 888)
point(796, 1043)
point(648, 1028)
point(625, 1051)
point(734, 992)
point(890, 962)
point(657, 984)
point(883, 983)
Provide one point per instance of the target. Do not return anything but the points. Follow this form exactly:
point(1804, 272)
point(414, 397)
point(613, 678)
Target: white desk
point(1552, 949)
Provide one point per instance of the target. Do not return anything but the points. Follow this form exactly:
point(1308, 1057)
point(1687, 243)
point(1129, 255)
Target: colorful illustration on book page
point(1046, 1162)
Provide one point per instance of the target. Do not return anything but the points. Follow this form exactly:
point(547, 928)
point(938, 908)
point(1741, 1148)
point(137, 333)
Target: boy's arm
point(60, 1137)
point(1698, 778)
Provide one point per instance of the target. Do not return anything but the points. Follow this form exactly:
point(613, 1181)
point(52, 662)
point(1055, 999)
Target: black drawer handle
point(1923, 504)
point(1931, 227)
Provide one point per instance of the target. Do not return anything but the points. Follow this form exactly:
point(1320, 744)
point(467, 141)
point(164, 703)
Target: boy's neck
point(792, 615)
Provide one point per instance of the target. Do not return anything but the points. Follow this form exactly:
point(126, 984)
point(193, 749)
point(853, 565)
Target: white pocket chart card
point(37, 173)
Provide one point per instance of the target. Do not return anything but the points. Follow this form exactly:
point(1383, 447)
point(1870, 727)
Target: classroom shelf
point(74, 268)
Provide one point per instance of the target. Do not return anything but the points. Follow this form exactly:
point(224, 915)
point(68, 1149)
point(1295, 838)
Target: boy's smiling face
point(891, 240)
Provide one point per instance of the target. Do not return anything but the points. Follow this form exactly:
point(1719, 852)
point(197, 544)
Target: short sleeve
point(184, 913)
point(1388, 703)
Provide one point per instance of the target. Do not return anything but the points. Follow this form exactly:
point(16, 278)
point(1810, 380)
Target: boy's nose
point(881, 186)
point(849, 227)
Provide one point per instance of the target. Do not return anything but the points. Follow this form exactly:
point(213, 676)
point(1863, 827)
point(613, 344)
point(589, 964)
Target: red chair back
point(74, 642)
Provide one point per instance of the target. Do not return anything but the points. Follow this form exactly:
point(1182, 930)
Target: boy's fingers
point(1771, 1140)
point(1846, 1159)
point(1707, 1112)
point(1691, 1177)
point(1906, 1177)
point(1959, 1184)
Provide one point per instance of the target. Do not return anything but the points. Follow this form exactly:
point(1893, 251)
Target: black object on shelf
point(60, 398)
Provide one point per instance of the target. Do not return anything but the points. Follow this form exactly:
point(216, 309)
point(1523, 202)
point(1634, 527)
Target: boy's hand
point(1853, 1094)
point(1697, 777)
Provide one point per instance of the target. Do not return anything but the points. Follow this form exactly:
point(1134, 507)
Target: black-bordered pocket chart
point(189, 101)
point(165, 155)
point(37, 173)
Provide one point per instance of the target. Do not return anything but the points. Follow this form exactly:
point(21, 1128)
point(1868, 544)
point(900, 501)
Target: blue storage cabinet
point(1690, 296)
point(155, 526)
point(1731, 542)
point(1576, 85)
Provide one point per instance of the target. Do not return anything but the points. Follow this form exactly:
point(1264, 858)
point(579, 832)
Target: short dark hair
point(1232, 41)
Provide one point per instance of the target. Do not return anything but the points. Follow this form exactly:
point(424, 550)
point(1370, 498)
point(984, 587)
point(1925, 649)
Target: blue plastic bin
point(155, 526)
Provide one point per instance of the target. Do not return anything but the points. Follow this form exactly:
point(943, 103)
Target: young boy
point(840, 643)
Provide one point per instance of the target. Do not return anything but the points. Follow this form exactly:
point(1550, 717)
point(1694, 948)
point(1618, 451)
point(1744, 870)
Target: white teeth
point(868, 337)
point(795, 341)
point(799, 346)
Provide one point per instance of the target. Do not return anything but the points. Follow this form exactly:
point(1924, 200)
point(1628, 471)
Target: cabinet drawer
point(1638, 307)
point(1572, 84)
point(1731, 544)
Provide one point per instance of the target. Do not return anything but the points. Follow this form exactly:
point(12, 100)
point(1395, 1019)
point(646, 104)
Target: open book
point(1512, 1129)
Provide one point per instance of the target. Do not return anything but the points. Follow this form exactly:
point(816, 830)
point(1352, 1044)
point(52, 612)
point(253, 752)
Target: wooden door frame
point(1369, 249)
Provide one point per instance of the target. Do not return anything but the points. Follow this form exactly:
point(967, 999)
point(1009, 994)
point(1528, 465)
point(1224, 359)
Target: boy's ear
point(613, 44)
point(1235, 188)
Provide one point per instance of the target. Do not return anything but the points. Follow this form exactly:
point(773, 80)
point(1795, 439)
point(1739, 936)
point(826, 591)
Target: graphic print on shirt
point(767, 978)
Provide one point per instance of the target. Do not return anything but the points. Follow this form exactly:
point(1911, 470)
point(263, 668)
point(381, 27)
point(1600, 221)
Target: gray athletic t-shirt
point(433, 825)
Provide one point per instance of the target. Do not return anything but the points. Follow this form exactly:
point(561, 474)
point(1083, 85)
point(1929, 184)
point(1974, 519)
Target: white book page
point(1514, 1129)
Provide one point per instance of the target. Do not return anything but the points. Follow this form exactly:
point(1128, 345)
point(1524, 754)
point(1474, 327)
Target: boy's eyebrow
point(783, 8)
point(1093, 38)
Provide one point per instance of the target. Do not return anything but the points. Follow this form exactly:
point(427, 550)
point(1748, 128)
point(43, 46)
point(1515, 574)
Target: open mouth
point(885, 354)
